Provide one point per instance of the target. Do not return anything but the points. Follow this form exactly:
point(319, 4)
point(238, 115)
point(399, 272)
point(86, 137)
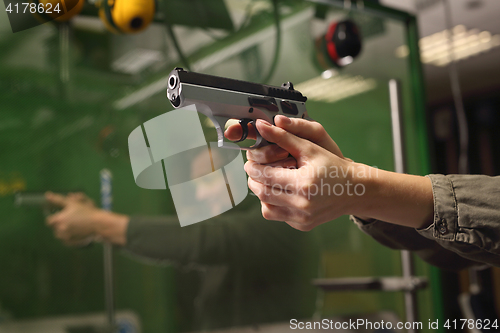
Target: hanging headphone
point(340, 45)
point(127, 16)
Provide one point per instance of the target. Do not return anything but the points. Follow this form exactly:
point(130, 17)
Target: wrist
point(110, 227)
point(366, 184)
point(396, 198)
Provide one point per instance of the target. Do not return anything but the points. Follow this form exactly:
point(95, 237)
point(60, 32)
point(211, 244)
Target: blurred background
point(74, 88)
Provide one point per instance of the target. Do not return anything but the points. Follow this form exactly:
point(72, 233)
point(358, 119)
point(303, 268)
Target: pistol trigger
point(244, 126)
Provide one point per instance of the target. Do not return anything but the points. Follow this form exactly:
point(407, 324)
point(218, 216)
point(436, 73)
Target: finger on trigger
point(235, 132)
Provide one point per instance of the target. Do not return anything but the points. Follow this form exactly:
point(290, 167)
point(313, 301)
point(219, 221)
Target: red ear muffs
point(342, 40)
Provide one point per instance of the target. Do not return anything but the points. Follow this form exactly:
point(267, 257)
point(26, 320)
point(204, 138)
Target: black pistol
point(221, 99)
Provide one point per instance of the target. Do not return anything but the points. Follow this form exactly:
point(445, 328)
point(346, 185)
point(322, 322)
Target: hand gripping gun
point(221, 99)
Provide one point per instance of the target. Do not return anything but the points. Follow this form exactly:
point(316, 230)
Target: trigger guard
point(244, 127)
point(260, 142)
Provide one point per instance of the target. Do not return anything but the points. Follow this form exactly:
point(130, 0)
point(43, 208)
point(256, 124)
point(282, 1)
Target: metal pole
point(64, 31)
point(463, 130)
point(106, 202)
point(411, 308)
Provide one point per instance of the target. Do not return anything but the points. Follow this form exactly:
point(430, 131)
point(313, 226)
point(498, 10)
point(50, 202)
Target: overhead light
point(438, 50)
point(332, 87)
point(329, 73)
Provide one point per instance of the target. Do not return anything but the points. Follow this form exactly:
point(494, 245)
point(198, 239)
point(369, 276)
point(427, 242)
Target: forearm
point(221, 240)
point(401, 199)
point(110, 227)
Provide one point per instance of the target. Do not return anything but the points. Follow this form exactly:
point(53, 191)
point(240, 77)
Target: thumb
point(296, 146)
point(56, 199)
point(309, 130)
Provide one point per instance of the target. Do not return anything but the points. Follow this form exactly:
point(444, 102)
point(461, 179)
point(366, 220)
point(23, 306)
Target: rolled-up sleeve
point(466, 226)
point(221, 240)
point(404, 238)
point(467, 216)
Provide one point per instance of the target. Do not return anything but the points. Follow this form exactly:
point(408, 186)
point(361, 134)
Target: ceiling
point(478, 74)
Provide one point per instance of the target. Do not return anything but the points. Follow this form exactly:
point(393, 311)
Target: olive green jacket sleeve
point(224, 239)
point(162, 240)
point(466, 226)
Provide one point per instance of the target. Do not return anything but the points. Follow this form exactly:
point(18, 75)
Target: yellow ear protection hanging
point(127, 16)
point(55, 9)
